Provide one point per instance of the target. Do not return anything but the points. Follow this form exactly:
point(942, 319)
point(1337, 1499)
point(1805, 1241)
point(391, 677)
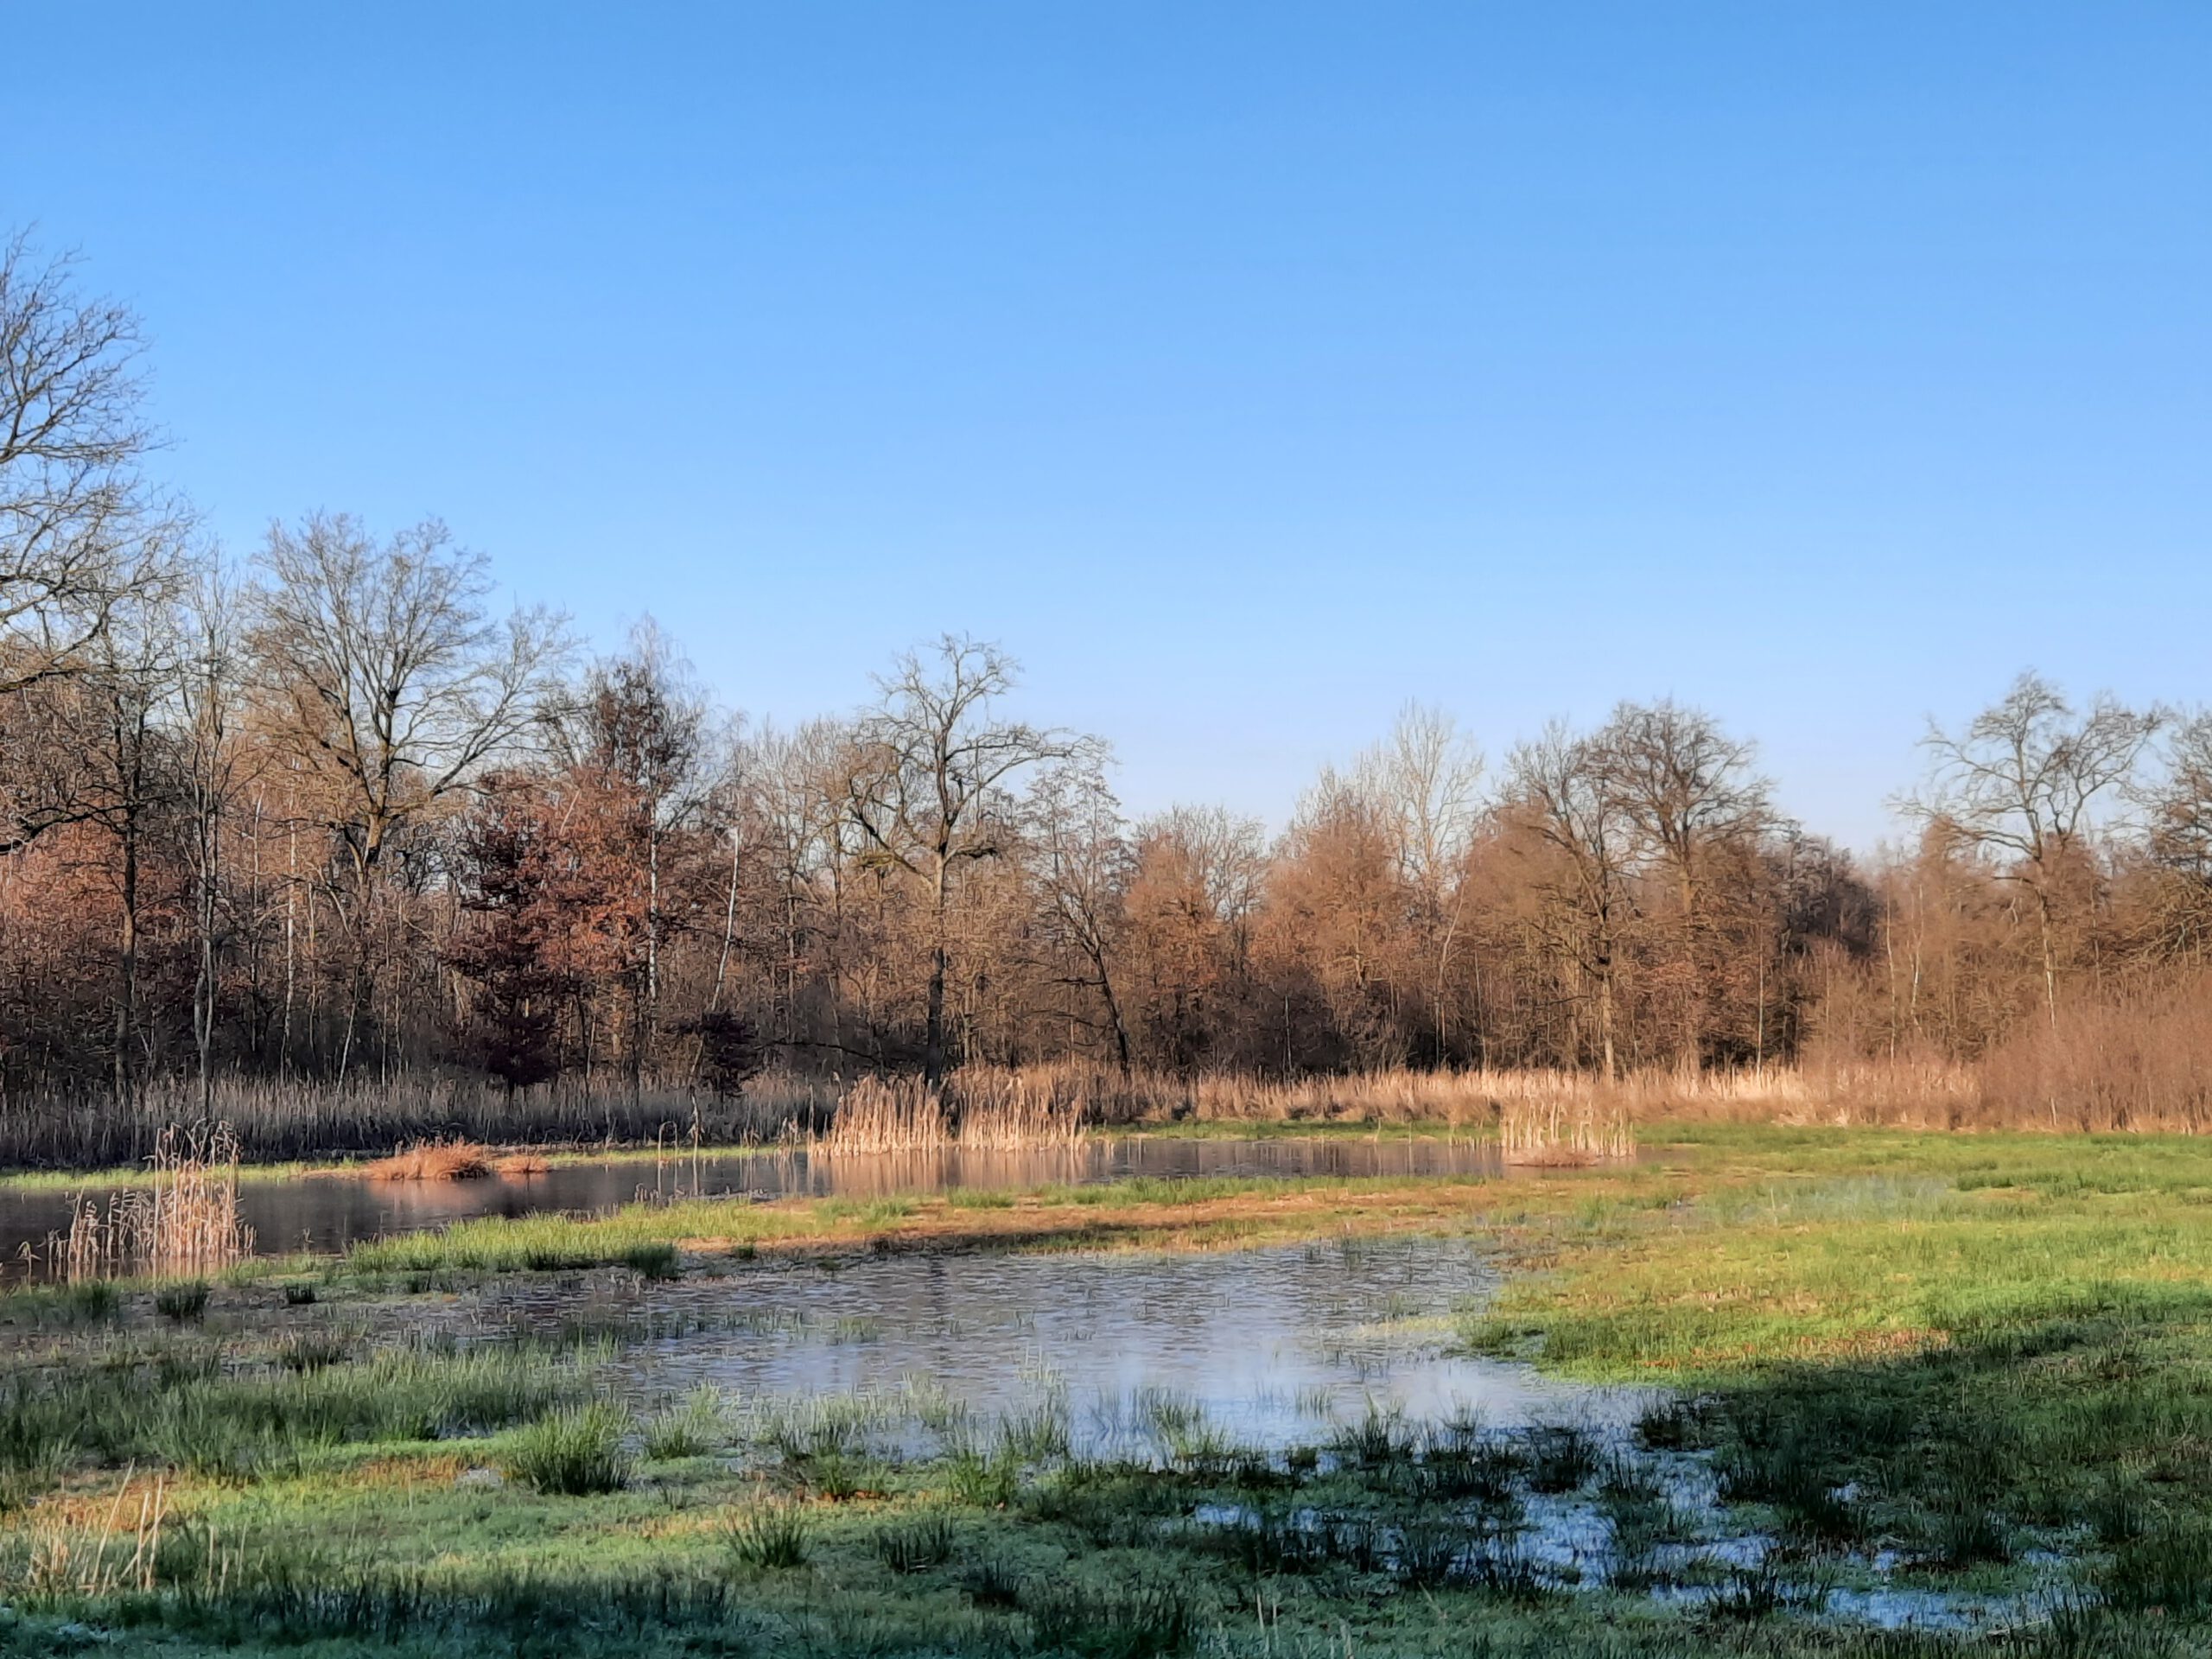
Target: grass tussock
point(573, 1452)
point(433, 1160)
point(768, 1536)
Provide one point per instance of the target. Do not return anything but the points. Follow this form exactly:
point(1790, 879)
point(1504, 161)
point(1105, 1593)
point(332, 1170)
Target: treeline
point(326, 816)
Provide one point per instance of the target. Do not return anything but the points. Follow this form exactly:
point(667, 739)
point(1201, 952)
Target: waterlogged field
point(294, 1207)
point(1767, 1391)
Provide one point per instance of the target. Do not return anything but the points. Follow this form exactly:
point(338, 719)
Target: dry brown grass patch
point(440, 1160)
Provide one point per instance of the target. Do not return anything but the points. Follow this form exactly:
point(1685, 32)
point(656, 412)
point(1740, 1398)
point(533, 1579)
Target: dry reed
point(186, 1222)
point(985, 1110)
point(889, 1114)
point(2138, 1059)
point(302, 1120)
point(59, 1565)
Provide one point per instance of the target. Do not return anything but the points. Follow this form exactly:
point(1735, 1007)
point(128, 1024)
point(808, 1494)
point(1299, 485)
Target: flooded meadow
point(1146, 1398)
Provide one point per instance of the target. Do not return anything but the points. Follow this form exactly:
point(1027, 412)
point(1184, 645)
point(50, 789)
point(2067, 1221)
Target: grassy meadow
point(1920, 1371)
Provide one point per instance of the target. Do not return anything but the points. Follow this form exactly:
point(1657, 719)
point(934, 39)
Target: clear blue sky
point(1244, 369)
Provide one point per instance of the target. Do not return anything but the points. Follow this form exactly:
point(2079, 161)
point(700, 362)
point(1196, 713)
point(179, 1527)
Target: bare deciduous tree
point(926, 784)
point(1560, 790)
point(73, 510)
point(381, 672)
point(2177, 806)
point(216, 765)
point(1083, 863)
point(2018, 783)
point(643, 727)
point(1687, 791)
point(1427, 778)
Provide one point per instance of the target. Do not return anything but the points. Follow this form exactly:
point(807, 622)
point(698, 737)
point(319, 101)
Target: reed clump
point(184, 1222)
point(985, 1110)
point(1567, 1130)
point(889, 1114)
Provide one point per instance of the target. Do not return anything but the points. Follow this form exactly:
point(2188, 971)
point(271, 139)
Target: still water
point(1271, 1347)
point(327, 1213)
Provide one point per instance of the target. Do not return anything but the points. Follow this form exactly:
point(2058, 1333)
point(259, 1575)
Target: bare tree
point(110, 707)
point(2019, 783)
point(644, 728)
point(379, 672)
point(1559, 789)
point(1427, 779)
point(216, 765)
point(2177, 807)
point(926, 784)
point(73, 510)
point(1084, 861)
point(1687, 791)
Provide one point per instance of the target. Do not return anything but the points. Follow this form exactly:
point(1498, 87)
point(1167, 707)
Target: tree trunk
point(933, 1039)
point(126, 1002)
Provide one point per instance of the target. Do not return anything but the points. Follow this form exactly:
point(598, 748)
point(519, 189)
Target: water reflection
point(1271, 1346)
point(325, 1213)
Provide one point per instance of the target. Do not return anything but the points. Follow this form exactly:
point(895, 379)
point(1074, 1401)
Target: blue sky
point(1245, 370)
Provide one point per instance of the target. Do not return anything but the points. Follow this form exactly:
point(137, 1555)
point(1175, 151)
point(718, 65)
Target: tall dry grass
point(2128, 1061)
point(984, 1110)
point(187, 1222)
point(889, 1114)
point(274, 1121)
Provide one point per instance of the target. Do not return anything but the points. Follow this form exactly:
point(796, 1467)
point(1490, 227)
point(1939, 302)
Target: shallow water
point(325, 1213)
point(1149, 1355)
point(1270, 1348)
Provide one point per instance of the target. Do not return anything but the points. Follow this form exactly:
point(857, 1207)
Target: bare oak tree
point(925, 784)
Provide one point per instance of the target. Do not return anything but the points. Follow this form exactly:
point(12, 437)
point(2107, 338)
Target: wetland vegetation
point(1767, 1390)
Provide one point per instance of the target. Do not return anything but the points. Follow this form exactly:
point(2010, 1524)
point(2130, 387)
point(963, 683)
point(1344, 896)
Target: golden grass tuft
point(434, 1161)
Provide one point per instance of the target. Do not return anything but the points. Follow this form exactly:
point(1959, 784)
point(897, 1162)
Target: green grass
point(694, 1426)
point(572, 1450)
point(1953, 1343)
